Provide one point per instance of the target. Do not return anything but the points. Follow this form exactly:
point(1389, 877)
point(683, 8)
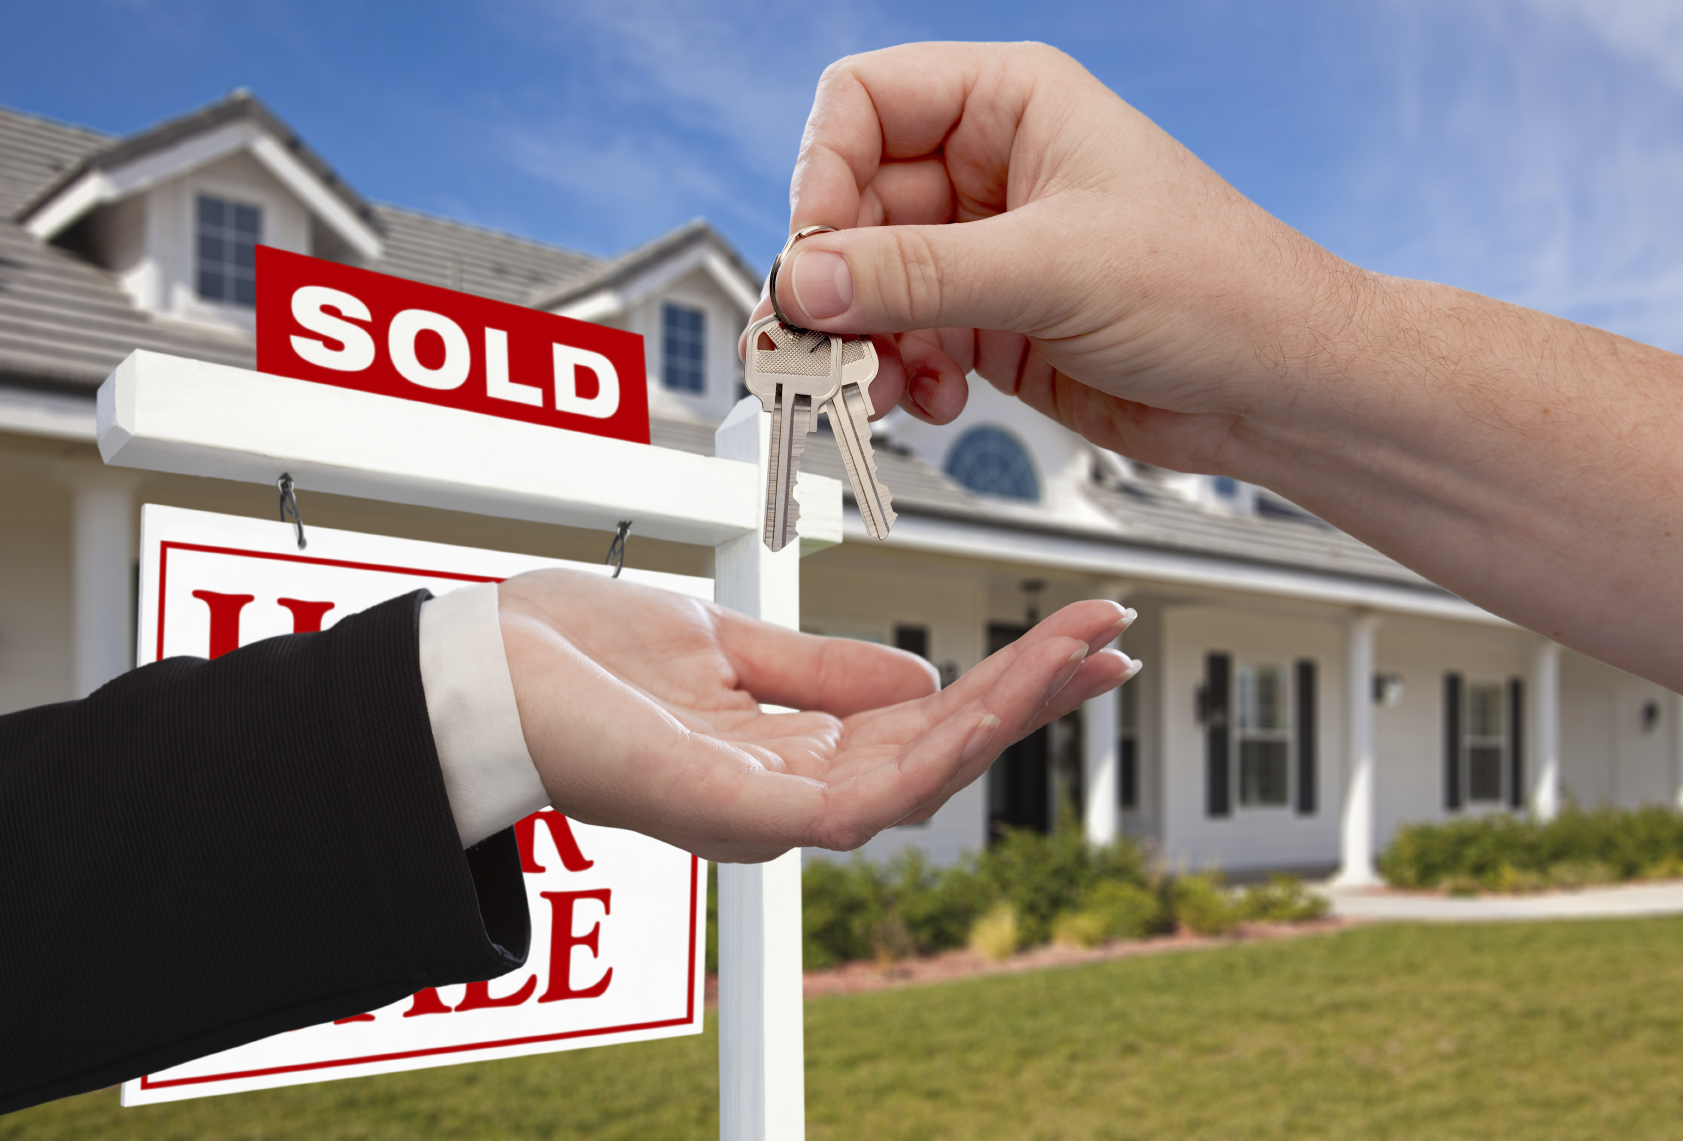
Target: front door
point(1019, 783)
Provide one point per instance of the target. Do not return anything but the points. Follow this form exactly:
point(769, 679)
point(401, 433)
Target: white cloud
point(1644, 30)
point(722, 92)
point(1534, 152)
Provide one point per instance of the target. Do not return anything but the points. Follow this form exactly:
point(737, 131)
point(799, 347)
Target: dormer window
point(225, 250)
point(683, 348)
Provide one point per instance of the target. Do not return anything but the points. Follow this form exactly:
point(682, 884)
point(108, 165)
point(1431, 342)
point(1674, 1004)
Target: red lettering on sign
point(354, 1018)
point(224, 619)
point(426, 1002)
point(479, 995)
point(562, 941)
point(306, 616)
point(525, 835)
point(354, 328)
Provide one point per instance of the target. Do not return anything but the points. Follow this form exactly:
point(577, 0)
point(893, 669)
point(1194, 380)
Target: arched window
point(990, 461)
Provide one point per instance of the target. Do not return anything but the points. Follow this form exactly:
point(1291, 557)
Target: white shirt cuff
point(488, 773)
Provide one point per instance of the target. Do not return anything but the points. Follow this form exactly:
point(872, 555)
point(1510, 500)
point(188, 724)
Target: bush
point(1203, 906)
point(1125, 910)
point(1511, 880)
point(1054, 886)
point(995, 934)
point(1084, 929)
point(1283, 899)
point(1502, 851)
point(1581, 873)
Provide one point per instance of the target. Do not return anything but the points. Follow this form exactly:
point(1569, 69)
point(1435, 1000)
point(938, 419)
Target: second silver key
point(850, 414)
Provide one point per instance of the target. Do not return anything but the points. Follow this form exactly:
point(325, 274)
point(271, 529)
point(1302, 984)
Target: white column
point(1674, 710)
point(1100, 742)
point(762, 1066)
point(1545, 730)
point(1356, 824)
point(102, 584)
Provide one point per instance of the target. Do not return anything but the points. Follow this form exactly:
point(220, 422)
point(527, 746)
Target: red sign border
point(147, 1082)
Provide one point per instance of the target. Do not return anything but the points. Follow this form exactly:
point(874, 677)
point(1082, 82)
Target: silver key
point(794, 373)
point(850, 414)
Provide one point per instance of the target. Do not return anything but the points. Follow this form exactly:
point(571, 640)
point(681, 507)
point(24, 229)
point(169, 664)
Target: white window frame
point(193, 247)
point(182, 301)
point(1239, 733)
point(706, 369)
point(1470, 740)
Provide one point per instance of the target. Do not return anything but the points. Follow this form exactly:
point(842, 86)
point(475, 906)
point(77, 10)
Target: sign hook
point(289, 506)
point(616, 549)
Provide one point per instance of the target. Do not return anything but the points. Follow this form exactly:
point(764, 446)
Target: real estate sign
point(618, 919)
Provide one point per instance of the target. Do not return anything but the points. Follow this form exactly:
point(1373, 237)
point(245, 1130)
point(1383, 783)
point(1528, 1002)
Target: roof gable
point(620, 283)
point(173, 148)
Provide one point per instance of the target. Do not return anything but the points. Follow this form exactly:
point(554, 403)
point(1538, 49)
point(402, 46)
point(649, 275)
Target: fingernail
point(822, 283)
point(922, 388)
point(1134, 665)
point(1129, 613)
point(980, 738)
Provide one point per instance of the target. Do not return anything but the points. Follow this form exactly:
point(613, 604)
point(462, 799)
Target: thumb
point(994, 273)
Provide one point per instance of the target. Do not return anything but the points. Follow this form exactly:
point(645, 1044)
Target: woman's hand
point(641, 710)
point(1102, 273)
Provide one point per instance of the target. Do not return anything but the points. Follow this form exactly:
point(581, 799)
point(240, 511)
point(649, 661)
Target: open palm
point(642, 710)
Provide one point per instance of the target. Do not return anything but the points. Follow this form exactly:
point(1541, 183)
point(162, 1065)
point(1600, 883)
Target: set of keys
point(798, 373)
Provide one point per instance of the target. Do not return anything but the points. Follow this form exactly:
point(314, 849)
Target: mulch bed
point(857, 978)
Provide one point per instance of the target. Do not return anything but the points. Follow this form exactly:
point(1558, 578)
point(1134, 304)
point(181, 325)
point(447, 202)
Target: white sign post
point(170, 414)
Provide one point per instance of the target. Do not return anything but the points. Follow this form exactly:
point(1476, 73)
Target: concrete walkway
point(1617, 902)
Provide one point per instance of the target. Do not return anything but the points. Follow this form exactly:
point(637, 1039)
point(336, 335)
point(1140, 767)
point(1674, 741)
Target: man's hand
point(641, 710)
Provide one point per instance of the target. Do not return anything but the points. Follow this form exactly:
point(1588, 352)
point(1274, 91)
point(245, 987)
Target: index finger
point(910, 102)
point(806, 671)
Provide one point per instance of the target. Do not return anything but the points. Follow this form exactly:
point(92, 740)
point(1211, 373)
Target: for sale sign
point(617, 918)
point(353, 328)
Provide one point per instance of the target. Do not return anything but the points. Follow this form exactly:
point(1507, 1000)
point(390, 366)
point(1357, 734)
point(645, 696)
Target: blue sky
point(1530, 149)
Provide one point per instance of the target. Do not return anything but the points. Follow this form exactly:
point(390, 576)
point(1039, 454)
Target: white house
point(1303, 695)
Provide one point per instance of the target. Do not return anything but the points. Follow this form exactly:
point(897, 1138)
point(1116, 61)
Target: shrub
point(1203, 906)
point(995, 934)
point(1283, 899)
point(1511, 879)
point(1505, 852)
point(1581, 873)
point(1125, 910)
point(1082, 929)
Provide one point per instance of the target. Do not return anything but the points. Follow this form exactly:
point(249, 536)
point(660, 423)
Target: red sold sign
point(353, 328)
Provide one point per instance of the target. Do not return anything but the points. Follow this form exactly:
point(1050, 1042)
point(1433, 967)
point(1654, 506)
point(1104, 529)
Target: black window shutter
point(1516, 742)
point(1218, 674)
point(1452, 741)
point(912, 638)
point(1307, 771)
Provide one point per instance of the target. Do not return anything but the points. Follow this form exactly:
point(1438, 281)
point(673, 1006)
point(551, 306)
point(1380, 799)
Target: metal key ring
point(777, 263)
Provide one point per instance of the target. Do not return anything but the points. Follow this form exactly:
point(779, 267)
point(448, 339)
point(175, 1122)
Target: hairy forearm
point(1527, 463)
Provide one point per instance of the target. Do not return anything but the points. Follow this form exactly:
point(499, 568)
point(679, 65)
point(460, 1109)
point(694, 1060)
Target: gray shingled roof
point(628, 265)
point(487, 262)
point(34, 152)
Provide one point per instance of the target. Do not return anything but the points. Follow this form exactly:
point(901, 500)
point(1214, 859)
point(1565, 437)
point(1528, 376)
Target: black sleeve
point(205, 853)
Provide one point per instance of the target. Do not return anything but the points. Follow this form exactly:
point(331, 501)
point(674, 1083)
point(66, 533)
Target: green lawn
point(1505, 1031)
